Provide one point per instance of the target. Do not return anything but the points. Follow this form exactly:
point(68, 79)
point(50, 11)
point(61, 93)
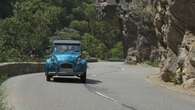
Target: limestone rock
point(169, 67)
point(131, 56)
point(192, 55)
point(175, 24)
point(155, 55)
point(189, 83)
point(173, 21)
point(189, 63)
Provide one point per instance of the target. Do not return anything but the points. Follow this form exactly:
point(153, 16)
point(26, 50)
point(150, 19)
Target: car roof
point(66, 42)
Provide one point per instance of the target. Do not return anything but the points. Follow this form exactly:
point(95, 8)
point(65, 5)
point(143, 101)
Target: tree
point(6, 8)
point(93, 46)
point(107, 33)
point(81, 26)
point(90, 15)
point(116, 51)
point(30, 27)
point(68, 33)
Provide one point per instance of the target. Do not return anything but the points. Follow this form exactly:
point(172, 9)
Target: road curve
point(110, 86)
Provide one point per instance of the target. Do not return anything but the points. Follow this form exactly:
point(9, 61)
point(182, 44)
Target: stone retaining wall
point(19, 68)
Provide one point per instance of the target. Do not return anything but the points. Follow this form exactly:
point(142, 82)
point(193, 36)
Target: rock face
point(175, 28)
point(144, 39)
point(137, 29)
point(159, 30)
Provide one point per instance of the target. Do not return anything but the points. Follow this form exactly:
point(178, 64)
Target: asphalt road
point(110, 86)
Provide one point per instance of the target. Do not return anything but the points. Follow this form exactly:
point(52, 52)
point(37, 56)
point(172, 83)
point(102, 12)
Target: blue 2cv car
point(66, 60)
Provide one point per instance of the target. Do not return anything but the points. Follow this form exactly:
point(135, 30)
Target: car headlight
point(78, 60)
point(53, 60)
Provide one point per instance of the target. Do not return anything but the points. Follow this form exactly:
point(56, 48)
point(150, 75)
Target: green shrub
point(2, 105)
point(2, 96)
point(117, 51)
point(94, 47)
point(2, 78)
point(68, 33)
point(81, 26)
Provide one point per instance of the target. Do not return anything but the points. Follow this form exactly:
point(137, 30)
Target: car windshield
point(66, 48)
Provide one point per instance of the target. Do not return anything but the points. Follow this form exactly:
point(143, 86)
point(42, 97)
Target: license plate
point(66, 70)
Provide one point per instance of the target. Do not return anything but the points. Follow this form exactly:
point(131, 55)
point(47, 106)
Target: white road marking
point(107, 97)
point(115, 101)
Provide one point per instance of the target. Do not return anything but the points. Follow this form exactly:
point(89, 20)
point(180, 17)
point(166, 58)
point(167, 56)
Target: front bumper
point(64, 72)
point(65, 69)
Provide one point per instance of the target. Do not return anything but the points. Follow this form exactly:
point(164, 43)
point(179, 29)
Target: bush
point(2, 96)
point(2, 78)
point(2, 104)
point(117, 51)
point(68, 33)
point(29, 28)
point(10, 55)
point(81, 26)
point(94, 47)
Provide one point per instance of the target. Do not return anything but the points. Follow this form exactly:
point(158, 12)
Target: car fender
point(82, 66)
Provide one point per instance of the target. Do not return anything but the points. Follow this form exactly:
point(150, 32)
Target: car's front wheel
point(83, 77)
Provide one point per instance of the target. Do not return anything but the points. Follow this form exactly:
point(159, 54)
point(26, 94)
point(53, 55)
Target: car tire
point(48, 78)
point(83, 77)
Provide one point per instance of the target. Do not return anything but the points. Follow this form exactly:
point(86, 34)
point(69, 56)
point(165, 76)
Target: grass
point(2, 96)
point(2, 102)
point(2, 78)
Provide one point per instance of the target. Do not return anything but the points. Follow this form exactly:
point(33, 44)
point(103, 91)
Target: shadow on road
point(74, 80)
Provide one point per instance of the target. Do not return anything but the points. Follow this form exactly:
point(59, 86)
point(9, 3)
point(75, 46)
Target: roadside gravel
point(155, 79)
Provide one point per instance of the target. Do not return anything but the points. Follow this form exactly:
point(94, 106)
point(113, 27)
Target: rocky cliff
point(160, 30)
point(137, 29)
point(175, 28)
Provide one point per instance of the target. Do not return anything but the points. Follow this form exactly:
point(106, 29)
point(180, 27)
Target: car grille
point(66, 65)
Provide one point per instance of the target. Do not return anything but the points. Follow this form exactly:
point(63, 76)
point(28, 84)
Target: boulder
point(192, 55)
point(189, 83)
point(155, 55)
point(131, 56)
point(189, 64)
point(169, 67)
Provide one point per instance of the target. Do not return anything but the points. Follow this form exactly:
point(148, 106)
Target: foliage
point(93, 46)
point(81, 26)
point(68, 33)
point(28, 29)
point(116, 51)
point(2, 96)
point(2, 78)
point(29, 26)
point(2, 104)
point(5, 8)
